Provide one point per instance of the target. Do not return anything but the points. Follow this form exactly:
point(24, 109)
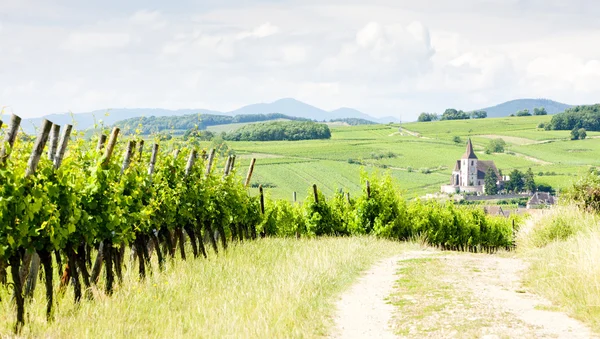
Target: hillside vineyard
point(72, 207)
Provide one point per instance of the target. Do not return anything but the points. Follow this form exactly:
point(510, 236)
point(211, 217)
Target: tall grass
point(270, 288)
point(563, 247)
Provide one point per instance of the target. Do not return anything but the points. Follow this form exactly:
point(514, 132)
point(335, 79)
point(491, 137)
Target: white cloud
point(91, 41)
point(384, 57)
point(261, 31)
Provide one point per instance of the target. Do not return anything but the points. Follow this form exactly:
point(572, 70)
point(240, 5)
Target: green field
point(420, 156)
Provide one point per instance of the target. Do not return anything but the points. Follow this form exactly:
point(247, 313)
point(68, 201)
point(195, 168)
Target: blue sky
point(383, 57)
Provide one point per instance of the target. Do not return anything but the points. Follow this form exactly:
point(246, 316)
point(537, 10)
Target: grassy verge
point(563, 247)
point(270, 288)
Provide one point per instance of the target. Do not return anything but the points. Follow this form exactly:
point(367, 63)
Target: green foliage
point(582, 133)
point(423, 117)
point(587, 116)
point(575, 134)
point(529, 182)
point(354, 121)
point(152, 124)
point(457, 139)
point(495, 146)
point(515, 183)
point(491, 188)
point(452, 114)
point(281, 130)
point(523, 113)
point(539, 111)
point(478, 114)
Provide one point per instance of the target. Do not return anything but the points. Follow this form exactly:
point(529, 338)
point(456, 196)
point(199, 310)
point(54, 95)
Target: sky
point(383, 57)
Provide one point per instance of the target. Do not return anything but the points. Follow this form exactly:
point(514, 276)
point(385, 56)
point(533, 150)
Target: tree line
point(280, 130)
point(452, 114)
point(585, 116)
point(150, 125)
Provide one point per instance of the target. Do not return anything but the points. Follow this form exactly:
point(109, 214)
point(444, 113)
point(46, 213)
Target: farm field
point(269, 288)
point(420, 156)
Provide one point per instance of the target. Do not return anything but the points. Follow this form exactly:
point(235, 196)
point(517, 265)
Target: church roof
point(483, 166)
point(469, 154)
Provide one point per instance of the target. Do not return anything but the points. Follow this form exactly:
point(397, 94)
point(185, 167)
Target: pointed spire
point(469, 154)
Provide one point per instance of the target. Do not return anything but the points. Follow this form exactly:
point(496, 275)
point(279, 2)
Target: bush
point(457, 139)
point(495, 146)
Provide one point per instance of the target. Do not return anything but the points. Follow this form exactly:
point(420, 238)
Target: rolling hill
point(507, 108)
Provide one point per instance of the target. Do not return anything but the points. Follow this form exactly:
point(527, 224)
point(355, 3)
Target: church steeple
point(469, 154)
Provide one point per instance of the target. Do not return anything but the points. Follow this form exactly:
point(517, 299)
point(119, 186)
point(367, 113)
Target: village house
point(541, 200)
point(469, 173)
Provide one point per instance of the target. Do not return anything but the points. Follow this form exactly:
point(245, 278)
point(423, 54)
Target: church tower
point(468, 167)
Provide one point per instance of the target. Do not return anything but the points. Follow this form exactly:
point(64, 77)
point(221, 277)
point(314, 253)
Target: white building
point(469, 173)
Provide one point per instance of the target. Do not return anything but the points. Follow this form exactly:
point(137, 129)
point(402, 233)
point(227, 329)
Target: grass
point(270, 288)
point(563, 247)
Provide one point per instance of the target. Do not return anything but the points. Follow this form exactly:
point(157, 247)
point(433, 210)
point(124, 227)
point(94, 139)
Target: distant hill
point(287, 106)
point(510, 107)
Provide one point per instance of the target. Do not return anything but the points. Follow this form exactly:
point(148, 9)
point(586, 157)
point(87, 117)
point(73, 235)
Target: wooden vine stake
point(368, 190)
point(153, 159)
point(232, 164)
point(316, 193)
point(226, 168)
point(101, 142)
point(128, 155)
point(10, 137)
point(141, 149)
point(15, 259)
point(211, 157)
point(62, 146)
point(54, 134)
point(250, 170)
point(111, 145)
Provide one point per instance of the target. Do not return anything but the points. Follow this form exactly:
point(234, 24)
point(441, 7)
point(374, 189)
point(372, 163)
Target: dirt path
point(363, 311)
point(449, 295)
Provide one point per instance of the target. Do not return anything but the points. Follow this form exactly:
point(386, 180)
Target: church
point(469, 173)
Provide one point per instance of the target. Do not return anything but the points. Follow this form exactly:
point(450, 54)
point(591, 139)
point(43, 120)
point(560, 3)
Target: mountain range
point(286, 106)
point(513, 106)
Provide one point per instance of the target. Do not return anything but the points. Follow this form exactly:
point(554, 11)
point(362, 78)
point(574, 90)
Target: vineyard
point(72, 207)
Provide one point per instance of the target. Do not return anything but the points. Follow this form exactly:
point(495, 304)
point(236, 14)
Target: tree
point(574, 133)
point(452, 114)
point(423, 117)
point(529, 182)
point(478, 114)
point(523, 113)
point(582, 134)
point(490, 182)
point(457, 139)
point(515, 184)
point(495, 146)
point(540, 111)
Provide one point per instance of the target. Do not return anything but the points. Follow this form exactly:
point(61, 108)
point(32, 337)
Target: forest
point(280, 130)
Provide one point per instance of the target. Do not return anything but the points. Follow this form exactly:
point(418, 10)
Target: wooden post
point(262, 199)
point(141, 149)
point(250, 170)
point(38, 147)
point(232, 164)
point(101, 142)
point(10, 137)
point(54, 133)
point(348, 197)
point(316, 193)
point(153, 159)
point(176, 153)
point(62, 146)
point(227, 164)
point(190, 162)
point(111, 145)
point(128, 155)
point(211, 157)
point(368, 190)
point(294, 197)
